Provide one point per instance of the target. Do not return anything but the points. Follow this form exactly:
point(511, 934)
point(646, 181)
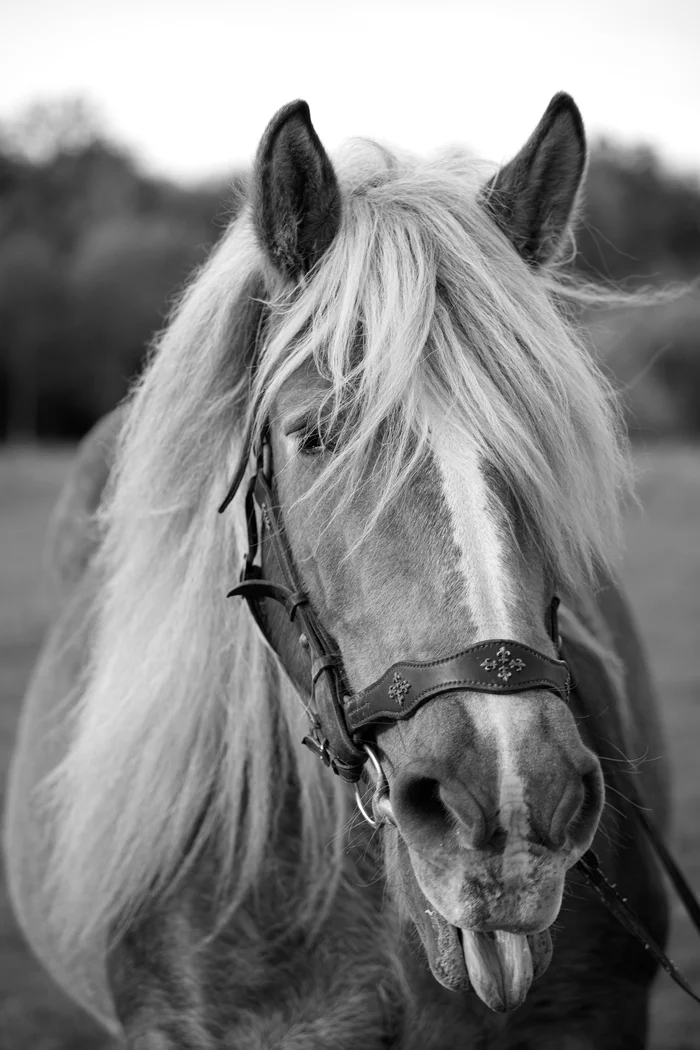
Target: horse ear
point(296, 198)
point(533, 198)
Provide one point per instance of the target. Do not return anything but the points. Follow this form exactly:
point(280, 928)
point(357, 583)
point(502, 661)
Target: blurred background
point(126, 132)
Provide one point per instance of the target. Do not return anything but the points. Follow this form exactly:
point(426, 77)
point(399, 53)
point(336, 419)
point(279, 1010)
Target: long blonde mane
point(419, 307)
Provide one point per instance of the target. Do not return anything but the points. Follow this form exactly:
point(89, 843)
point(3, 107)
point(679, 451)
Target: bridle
point(342, 723)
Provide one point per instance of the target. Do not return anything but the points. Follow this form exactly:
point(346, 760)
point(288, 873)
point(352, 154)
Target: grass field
point(662, 575)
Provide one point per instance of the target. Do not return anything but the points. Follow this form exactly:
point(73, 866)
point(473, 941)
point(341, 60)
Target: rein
point(341, 722)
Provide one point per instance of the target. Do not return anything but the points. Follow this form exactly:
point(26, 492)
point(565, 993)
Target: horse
point(383, 351)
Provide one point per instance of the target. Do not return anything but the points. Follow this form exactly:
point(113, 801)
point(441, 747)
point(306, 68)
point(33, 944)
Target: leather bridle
point(342, 723)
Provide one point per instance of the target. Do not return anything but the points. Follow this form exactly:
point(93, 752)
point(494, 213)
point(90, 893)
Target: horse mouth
point(498, 966)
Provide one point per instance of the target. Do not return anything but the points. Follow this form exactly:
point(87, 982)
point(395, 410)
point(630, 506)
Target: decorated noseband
point(341, 723)
point(488, 667)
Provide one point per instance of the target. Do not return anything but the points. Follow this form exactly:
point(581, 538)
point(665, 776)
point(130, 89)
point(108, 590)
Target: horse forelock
point(418, 311)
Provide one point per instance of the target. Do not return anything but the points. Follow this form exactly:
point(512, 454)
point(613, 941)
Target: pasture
point(662, 575)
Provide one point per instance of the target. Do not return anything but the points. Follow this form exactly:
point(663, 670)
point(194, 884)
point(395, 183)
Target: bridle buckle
point(249, 570)
point(319, 745)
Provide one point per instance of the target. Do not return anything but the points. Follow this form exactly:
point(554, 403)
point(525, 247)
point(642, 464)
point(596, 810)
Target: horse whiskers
point(630, 801)
point(632, 763)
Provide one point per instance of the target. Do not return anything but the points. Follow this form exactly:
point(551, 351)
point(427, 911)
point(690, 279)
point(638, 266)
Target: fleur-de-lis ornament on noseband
point(399, 688)
point(505, 665)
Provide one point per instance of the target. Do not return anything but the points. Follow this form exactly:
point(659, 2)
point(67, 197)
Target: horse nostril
point(420, 814)
point(577, 811)
point(422, 796)
point(566, 812)
point(590, 809)
point(427, 812)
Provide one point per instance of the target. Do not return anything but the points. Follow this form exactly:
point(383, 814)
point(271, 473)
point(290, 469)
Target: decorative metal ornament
point(399, 688)
point(506, 667)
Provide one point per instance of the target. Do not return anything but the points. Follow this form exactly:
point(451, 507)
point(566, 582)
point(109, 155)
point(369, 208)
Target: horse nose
point(434, 811)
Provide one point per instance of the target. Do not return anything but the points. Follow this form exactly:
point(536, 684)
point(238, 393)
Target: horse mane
point(419, 308)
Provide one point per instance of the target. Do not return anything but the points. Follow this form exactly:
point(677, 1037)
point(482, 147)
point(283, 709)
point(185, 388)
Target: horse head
point(411, 528)
point(436, 458)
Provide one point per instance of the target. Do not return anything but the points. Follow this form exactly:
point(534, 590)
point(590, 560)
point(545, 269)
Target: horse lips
point(502, 965)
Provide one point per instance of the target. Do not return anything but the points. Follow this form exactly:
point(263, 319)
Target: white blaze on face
point(487, 598)
point(513, 810)
point(476, 534)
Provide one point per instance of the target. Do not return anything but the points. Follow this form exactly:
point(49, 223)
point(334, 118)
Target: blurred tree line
point(641, 230)
point(93, 251)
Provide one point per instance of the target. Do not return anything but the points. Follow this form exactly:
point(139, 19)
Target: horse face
point(491, 798)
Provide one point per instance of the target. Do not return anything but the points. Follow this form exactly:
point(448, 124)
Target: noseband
point(342, 723)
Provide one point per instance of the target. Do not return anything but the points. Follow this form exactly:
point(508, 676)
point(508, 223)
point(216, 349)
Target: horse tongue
point(500, 967)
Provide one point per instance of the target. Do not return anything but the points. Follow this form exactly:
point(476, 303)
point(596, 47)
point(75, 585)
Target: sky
point(189, 85)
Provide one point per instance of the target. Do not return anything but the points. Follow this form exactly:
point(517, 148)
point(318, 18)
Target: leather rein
point(342, 723)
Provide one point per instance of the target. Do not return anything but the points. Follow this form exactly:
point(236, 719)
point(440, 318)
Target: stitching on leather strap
point(355, 712)
point(449, 659)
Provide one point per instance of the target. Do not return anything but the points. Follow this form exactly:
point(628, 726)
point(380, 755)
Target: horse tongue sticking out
point(497, 966)
point(500, 966)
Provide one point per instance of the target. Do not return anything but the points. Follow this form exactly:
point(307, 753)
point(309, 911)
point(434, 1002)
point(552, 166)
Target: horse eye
point(312, 437)
point(310, 442)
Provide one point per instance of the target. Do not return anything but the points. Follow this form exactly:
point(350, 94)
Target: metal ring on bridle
point(381, 779)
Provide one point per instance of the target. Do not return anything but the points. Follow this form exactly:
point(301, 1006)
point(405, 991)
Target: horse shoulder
point(43, 735)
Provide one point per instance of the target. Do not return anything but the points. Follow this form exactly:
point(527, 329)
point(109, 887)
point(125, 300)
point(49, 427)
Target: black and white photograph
point(350, 525)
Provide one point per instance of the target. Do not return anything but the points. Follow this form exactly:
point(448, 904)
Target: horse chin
point(498, 966)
